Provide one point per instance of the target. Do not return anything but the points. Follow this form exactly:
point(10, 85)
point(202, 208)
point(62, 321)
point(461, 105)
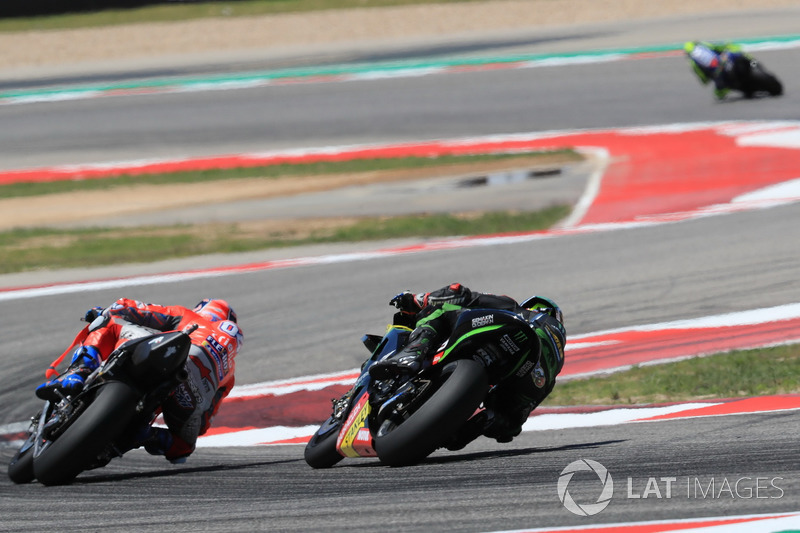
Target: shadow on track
point(104, 478)
point(477, 456)
point(518, 452)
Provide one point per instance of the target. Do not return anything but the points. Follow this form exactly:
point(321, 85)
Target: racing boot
point(471, 430)
point(504, 425)
point(84, 361)
point(155, 440)
point(408, 360)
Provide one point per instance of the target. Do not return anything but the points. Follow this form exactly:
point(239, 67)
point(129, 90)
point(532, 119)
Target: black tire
point(102, 422)
point(321, 448)
point(766, 82)
point(438, 418)
point(773, 86)
point(20, 469)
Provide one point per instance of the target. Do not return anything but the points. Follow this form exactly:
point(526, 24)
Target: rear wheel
point(462, 386)
point(771, 84)
point(761, 80)
point(60, 461)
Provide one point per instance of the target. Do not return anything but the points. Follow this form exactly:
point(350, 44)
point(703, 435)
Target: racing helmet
point(215, 310)
point(544, 305)
point(688, 47)
point(553, 339)
point(549, 322)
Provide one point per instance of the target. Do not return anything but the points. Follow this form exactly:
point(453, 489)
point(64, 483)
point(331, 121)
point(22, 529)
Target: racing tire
point(761, 80)
point(321, 451)
point(462, 389)
point(20, 468)
point(76, 449)
point(771, 84)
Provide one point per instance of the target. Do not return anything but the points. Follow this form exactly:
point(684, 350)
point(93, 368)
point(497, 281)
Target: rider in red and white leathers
point(192, 404)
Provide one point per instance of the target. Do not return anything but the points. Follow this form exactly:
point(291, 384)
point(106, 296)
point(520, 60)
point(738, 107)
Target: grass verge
point(741, 373)
point(15, 190)
point(26, 248)
point(31, 249)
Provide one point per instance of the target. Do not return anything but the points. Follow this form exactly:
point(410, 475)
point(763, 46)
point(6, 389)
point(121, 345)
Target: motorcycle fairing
point(478, 322)
point(355, 438)
point(466, 336)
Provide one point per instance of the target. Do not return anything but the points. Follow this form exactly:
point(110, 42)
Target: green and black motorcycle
point(403, 420)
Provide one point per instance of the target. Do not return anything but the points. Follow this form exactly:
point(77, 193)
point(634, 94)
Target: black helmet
point(549, 323)
point(544, 305)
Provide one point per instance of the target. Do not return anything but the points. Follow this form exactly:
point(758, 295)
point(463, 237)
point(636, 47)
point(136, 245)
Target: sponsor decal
point(220, 355)
point(183, 398)
point(219, 348)
point(508, 345)
point(524, 369)
point(355, 422)
point(482, 321)
point(482, 356)
point(363, 443)
point(555, 340)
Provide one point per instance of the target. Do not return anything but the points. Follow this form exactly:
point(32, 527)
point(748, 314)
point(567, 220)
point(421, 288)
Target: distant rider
point(714, 62)
point(191, 405)
point(433, 316)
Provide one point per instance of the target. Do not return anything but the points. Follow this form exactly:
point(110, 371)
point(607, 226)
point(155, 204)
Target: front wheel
point(321, 448)
point(462, 386)
point(20, 469)
point(60, 461)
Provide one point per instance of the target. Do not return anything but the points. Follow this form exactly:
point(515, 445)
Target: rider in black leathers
point(433, 315)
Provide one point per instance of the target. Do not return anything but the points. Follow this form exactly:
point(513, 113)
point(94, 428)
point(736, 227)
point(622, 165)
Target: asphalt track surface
point(307, 320)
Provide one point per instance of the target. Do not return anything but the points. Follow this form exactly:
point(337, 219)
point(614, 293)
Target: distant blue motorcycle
point(731, 69)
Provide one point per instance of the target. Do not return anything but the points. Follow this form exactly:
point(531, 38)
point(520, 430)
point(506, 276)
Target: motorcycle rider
point(433, 316)
point(190, 407)
point(713, 62)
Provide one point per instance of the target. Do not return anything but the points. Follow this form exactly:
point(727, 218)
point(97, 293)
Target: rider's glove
point(92, 313)
point(406, 302)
